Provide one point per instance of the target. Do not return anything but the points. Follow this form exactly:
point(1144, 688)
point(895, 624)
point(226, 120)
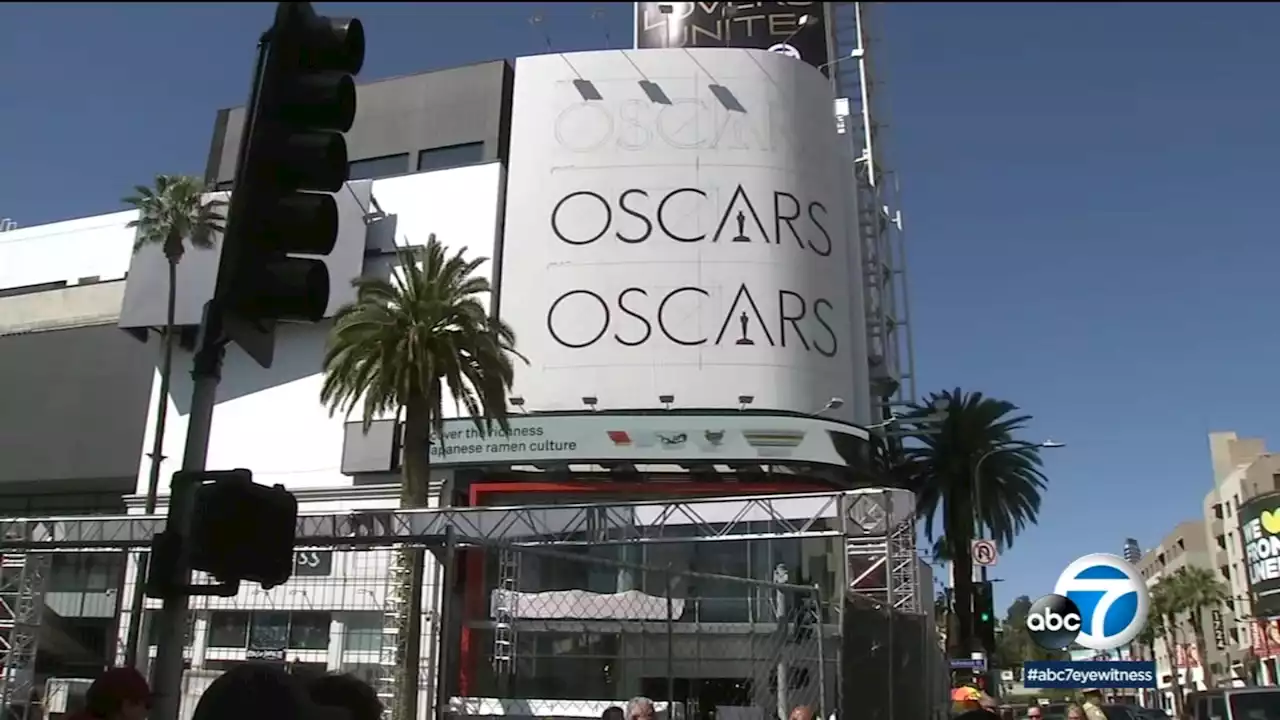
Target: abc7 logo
point(1054, 622)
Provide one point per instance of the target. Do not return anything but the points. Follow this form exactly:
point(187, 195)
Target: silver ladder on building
point(21, 608)
point(394, 625)
point(889, 346)
point(505, 612)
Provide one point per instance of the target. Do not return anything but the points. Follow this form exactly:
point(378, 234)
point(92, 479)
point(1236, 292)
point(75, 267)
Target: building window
point(378, 167)
point(451, 156)
point(223, 186)
point(1226, 571)
point(368, 672)
point(84, 572)
point(1217, 510)
point(267, 631)
point(363, 632)
point(1222, 541)
point(228, 629)
point(309, 631)
point(152, 628)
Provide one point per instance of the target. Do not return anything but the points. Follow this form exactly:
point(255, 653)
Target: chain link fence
point(891, 664)
point(708, 629)
point(550, 632)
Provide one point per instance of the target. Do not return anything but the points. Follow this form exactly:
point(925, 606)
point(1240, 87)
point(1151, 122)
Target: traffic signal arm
point(293, 154)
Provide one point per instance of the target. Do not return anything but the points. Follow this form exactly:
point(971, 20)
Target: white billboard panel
point(690, 237)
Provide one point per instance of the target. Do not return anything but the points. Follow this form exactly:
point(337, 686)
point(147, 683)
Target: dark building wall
point(74, 410)
point(429, 121)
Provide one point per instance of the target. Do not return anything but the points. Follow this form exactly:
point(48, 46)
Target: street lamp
point(980, 530)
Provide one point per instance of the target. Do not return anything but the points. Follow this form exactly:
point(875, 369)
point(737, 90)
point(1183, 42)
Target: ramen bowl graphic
point(773, 443)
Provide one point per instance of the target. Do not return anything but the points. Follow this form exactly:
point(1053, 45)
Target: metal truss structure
point(882, 563)
point(889, 345)
point(877, 524)
point(720, 518)
point(21, 606)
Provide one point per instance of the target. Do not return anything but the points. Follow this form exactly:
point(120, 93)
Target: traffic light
point(984, 616)
point(292, 155)
point(241, 530)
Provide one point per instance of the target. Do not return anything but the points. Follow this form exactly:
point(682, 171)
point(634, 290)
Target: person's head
point(613, 712)
point(118, 694)
point(1035, 713)
point(350, 693)
point(801, 712)
point(640, 708)
point(1075, 712)
point(256, 691)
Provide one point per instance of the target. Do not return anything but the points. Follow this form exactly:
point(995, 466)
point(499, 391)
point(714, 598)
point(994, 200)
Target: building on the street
point(684, 245)
point(1243, 469)
point(76, 391)
point(1185, 546)
point(1132, 552)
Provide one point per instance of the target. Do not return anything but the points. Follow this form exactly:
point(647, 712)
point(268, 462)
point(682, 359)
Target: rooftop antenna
point(535, 21)
point(600, 16)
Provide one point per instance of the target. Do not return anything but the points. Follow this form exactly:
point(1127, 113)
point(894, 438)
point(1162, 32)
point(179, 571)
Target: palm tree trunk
point(1197, 629)
point(413, 494)
point(1171, 645)
point(133, 642)
point(959, 535)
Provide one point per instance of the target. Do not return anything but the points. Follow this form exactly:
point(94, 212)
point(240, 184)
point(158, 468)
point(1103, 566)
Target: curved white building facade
point(679, 224)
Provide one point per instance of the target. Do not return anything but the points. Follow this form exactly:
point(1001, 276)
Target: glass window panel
point(152, 628)
point(64, 572)
point(378, 167)
point(102, 572)
point(363, 632)
point(368, 672)
point(451, 156)
point(565, 678)
point(269, 631)
point(228, 629)
point(309, 631)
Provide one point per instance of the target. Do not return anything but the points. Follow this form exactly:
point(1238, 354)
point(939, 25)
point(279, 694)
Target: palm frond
point(422, 336)
point(1008, 490)
point(174, 212)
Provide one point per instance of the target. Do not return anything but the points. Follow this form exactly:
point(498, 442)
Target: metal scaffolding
point(877, 525)
point(880, 550)
point(21, 606)
point(889, 347)
point(727, 518)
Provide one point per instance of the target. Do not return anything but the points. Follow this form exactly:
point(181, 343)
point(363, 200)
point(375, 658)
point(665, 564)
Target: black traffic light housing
point(291, 154)
point(984, 616)
point(243, 531)
point(238, 531)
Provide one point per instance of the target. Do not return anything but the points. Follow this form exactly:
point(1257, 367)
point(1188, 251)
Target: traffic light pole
point(206, 372)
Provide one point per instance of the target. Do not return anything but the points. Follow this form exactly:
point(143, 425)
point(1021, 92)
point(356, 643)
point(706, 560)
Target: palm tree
point(1145, 644)
point(402, 346)
point(1196, 590)
point(944, 457)
point(170, 215)
point(1163, 615)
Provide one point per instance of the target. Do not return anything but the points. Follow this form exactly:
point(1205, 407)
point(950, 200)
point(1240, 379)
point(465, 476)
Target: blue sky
point(1089, 191)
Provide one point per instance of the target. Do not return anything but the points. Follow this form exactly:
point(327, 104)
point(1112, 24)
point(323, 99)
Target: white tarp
point(583, 605)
